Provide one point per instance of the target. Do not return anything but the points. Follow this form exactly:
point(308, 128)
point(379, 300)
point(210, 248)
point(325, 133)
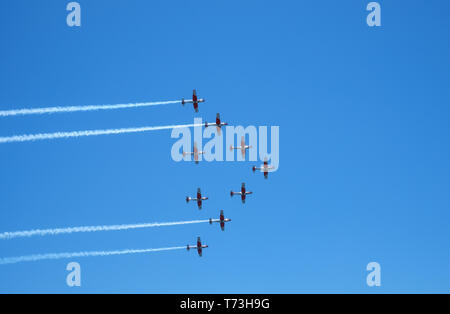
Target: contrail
point(57, 231)
point(49, 110)
point(51, 136)
point(40, 257)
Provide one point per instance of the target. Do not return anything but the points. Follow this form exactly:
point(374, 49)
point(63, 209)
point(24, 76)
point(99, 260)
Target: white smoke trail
point(57, 231)
point(49, 110)
point(39, 257)
point(51, 136)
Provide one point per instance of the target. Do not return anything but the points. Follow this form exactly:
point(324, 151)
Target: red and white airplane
point(199, 247)
point(195, 100)
point(218, 124)
point(199, 199)
point(265, 168)
point(243, 193)
point(222, 220)
point(243, 147)
point(195, 153)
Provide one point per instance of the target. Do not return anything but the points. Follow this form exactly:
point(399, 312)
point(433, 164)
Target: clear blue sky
point(364, 155)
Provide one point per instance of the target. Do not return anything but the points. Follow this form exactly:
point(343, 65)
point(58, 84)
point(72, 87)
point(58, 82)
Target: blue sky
point(364, 150)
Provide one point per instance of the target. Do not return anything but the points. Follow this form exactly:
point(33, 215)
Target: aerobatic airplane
point(218, 124)
point(222, 220)
point(199, 199)
point(243, 147)
point(243, 193)
point(195, 100)
point(265, 168)
point(199, 247)
point(195, 153)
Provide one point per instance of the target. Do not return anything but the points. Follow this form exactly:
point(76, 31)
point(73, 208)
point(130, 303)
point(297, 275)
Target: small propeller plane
point(195, 153)
point(199, 199)
point(199, 247)
point(195, 100)
point(243, 193)
point(222, 220)
point(243, 147)
point(265, 168)
point(218, 124)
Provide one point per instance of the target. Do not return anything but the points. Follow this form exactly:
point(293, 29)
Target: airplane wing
point(199, 246)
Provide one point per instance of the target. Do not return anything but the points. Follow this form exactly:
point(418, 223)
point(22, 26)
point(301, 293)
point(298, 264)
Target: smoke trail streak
point(50, 110)
point(39, 257)
point(51, 136)
point(57, 231)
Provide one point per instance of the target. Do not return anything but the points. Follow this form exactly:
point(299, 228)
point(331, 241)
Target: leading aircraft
point(222, 220)
point(195, 100)
point(199, 247)
point(199, 199)
point(243, 193)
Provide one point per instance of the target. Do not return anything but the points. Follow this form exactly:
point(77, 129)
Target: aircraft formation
point(199, 197)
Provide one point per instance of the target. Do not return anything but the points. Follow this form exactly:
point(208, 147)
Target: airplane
point(199, 199)
point(243, 147)
point(218, 124)
point(195, 153)
point(243, 193)
point(265, 168)
point(199, 247)
point(195, 100)
point(222, 220)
